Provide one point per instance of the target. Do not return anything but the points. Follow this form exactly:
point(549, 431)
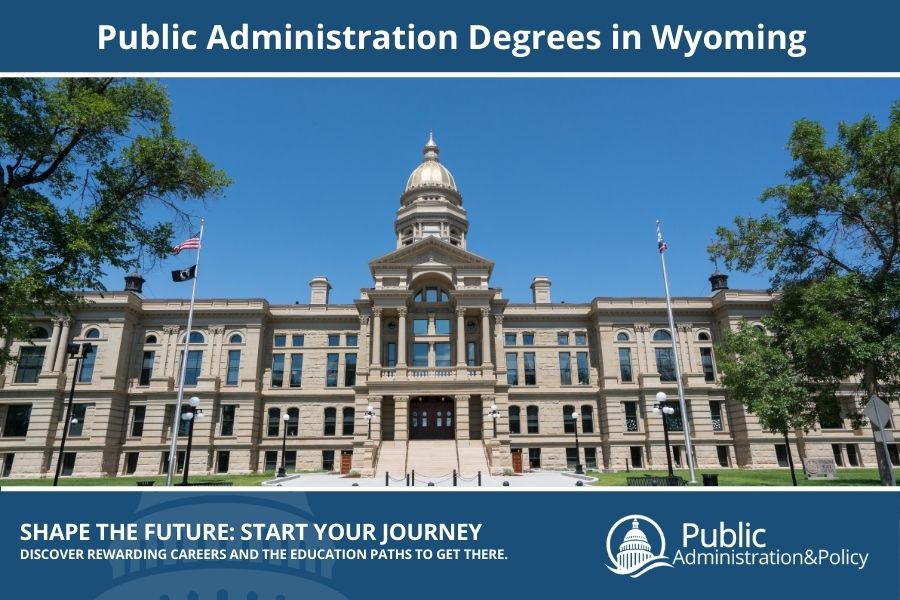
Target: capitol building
point(457, 377)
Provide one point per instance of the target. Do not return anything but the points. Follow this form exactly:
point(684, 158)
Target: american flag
point(663, 246)
point(192, 243)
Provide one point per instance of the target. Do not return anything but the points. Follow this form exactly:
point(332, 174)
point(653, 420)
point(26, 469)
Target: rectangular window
point(334, 340)
point(290, 461)
point(565, 368)
point(568, 421)
point(68, 466)
point(580, 338)
point(838, 455)
point(18, 416)
point(590, 458)
point(87, 365)
point(530, 373)
point(297, 340)
point(183, 424)
point(562, 338)
point(533, 424)
point(665, 364)
point(512, 369)
point(471, 354)
point(292, 427)
point(131, 462)
point(722, 452)
point(228, 419)
point(515, 425)
point(715, 411)
point(637, 457)
point(587, 419)
point(534, 458)
point(348, 422)
point(224, 457)
point(442, 354)
point(706, 360)
point(31, 359)
point(234, 367)
point(571, 457)
point(528, 339)
point(352, 340)
point(830, 414)
point(147, 367)
point(674, 421)
point(280, 340)
point(894, 454)
point(296, 370)
point(271, 460)
point(277, 370)
point(442, 326)
point(509, 339)
point(420, 355)
point(349, 370)
point(194, 362)
point(8, 464)
point(179, 461)
point(390, 354)
point(331, 371)
point(274, 423)
point(625, 364)
point(420, 326)
point(781, 455)
point(137, 421)
point(328, 460)
point(76, 425)
point(852, 455)
point(330, 421)
point(584, 374)
point(631, 416)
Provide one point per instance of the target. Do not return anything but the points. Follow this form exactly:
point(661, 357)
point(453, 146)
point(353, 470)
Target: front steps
point(432, 458)
point(391, 459)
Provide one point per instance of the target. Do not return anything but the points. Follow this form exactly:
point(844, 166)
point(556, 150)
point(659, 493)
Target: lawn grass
point(744, 477)
point(250, 479)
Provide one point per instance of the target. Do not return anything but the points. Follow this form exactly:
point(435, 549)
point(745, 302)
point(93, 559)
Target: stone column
point(487, 423)
point(462, 416)
point(54, 346)
point(401, 418)
point(63, 341)
point(486, 337)
point(363, 363)
point(461, 337)
point(375, 401)
point(498, 347)
point(401, 339)
point(376, 337)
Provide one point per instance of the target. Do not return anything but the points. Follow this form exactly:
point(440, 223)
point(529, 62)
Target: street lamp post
point(665, 410)
point(73, 352)
point(370, 414)
point(494, 414)
point(578, 469)
point(281, 471)
point(190, 414)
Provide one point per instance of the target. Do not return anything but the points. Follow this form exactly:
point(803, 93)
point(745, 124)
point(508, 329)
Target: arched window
point(703, 336)
point(39, 333)
point(197, 338)
point(759, 328)
point(274, 422)
point(92, 334)
point(236, 339)
point(330, 420)
point(532, 416)
point(622, 337)
point(151, 339)
point(349, 416)
point(587, 418)
point(431, 294)
point(568, 421)
point(662, 335)
point(515, 424)
point(293, 422)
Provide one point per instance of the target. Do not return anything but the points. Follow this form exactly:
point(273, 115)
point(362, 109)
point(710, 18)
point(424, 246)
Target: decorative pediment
point(430, 252)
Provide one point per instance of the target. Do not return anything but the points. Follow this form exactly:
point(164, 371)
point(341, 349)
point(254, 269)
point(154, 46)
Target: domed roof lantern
point(718, 280)
point(134, 283)
point(431, 175)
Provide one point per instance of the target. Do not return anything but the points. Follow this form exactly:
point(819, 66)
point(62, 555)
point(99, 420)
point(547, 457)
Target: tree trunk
point(787, 446)
point(870, 385)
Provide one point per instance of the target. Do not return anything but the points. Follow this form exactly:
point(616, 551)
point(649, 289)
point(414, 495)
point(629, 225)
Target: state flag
point(180, 275)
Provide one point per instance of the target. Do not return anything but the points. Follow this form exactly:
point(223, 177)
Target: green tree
point(832, 246)
point(83, 165)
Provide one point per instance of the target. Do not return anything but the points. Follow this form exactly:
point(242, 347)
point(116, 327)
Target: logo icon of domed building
point(635, 556)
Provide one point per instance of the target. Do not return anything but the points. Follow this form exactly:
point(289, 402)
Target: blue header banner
point(269, 36)
point(268, 545)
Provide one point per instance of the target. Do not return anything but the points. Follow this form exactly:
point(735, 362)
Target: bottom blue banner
point(285, 545)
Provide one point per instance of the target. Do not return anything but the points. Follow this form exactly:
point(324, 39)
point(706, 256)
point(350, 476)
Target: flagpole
point(686, 424)
point(173, 446)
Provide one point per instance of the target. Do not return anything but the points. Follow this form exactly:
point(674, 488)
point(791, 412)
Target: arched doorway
point(432, 418)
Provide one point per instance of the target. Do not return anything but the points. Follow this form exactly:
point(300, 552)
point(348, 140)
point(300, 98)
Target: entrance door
point(517, 461)
point(346, 462)
point(432, 419)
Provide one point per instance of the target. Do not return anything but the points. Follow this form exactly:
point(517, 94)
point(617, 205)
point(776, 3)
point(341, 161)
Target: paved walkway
point(544, 479)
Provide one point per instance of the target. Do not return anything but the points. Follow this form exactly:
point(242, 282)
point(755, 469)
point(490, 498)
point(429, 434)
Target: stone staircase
point(432, 458)
point(391, 459)
point(472, 458)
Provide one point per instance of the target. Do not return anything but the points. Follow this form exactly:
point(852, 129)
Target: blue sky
point(560, 177)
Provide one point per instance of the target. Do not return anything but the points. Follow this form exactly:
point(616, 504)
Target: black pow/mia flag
point(180, 275)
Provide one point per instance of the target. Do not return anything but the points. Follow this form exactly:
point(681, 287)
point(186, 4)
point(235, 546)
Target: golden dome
point(431, 173)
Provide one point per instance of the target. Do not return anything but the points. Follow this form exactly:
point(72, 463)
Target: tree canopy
point(83, 164)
